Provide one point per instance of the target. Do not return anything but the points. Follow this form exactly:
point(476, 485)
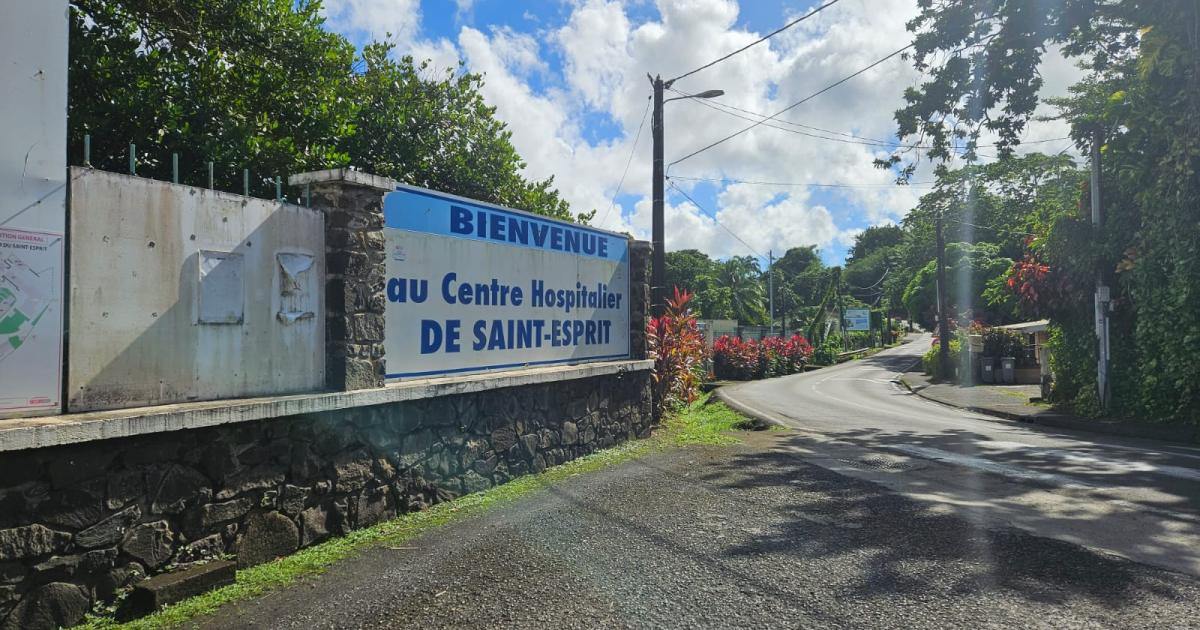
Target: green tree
point(263, 86)
point(432, 128)
point(969, 268)
point(873, 239)
point(694, 271)
point(800, 279)
point(246, 85)
point(742, 278)
point(1143, 93)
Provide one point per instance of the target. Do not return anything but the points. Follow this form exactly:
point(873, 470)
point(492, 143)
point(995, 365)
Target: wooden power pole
point(943, 320)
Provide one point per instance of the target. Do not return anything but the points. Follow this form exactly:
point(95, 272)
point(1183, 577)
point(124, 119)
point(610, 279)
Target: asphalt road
point(1136, 498)
point(844, 524)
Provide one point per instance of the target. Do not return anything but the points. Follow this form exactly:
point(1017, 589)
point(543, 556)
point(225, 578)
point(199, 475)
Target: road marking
point(989, 466)
point(1118, 465)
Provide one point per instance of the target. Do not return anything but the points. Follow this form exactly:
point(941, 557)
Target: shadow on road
point(905, 546)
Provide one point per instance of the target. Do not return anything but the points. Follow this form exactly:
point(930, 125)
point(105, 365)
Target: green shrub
point(930, 365)
point(1002, 342)
point(826, 353)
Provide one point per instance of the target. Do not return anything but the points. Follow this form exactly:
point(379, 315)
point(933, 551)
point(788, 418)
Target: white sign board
point(473, 287)
point(30, 319)
point(858, 319)
point(33, 193)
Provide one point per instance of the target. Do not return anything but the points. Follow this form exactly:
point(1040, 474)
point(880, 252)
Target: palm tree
point(742, 279)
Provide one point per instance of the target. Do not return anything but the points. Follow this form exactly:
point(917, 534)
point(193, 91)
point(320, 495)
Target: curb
point(750, 412)
point(1180, 434)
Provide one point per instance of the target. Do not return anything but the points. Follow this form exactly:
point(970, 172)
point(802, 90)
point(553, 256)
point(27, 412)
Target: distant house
point(1036, 336)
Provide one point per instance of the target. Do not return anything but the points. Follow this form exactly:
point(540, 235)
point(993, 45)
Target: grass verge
point(701, 422)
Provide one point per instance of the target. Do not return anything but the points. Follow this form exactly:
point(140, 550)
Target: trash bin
point(1008, 370)
point(987, 369)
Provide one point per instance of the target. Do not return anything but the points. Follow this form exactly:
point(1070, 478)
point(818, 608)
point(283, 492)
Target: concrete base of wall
point(81, 521)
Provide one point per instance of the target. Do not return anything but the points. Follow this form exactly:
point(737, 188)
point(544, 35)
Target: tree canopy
point(263, 86)
point(1141, 101)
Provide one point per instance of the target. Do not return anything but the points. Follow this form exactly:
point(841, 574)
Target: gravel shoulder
point(725, 536)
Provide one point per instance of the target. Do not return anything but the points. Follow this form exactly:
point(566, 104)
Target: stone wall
point(354, 268)
point(79, 523)
point(639, 298)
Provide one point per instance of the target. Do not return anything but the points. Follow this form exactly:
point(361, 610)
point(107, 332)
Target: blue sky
point(569, 77)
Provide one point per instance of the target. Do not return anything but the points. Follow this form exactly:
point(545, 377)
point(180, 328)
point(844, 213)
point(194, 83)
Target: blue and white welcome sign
point(473, 287)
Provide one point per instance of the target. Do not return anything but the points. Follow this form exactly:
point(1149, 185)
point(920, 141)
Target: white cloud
point(440, 54)
point(374, 19)
point(464, 7)
point(605, 60)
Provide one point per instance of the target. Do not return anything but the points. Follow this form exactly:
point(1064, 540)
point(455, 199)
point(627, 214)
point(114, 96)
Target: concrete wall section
point(78, 523)
point(181, 293)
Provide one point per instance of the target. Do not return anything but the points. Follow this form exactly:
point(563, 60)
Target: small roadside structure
point(1036, 336)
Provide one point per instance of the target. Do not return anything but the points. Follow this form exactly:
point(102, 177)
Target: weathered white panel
point(33, 171)
point(222, 294)
point(137, 258)
point(297, 287)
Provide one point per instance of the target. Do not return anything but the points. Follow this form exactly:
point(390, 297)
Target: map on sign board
point(30, 319)
point(858, 319)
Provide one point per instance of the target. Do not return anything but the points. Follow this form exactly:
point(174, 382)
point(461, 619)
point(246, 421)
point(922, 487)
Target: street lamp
point(658, 259)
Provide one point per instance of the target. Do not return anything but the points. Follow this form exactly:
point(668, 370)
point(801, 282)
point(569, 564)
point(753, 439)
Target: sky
point(569, 77)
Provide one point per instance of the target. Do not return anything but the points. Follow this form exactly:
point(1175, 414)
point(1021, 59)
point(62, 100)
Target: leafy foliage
point(933, 367)
point(678, 350)
point(1001, 342)
point(746, 359)
point(1143, 95)
point(968, 270)
point(432, 128)
point(737, 288)
point(263, 86)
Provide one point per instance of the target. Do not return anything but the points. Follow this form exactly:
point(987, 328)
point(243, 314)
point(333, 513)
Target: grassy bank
point(699, 423)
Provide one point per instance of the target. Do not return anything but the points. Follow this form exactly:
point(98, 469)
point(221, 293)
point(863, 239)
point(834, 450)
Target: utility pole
point(1101, 298)
point(841, 306)
point(943, 321)
point(658, 264)
point(886, 335)
point(771, 290)
point(657, 256)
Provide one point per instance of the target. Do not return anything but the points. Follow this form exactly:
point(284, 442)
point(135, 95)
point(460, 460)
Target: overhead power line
point(872, 285)
point(990, 227)
point(725, 180)
point(632, 151)
point(852, 138)
point(792, 106)
point(758, 41)
point(763, 118)
point(713, 216)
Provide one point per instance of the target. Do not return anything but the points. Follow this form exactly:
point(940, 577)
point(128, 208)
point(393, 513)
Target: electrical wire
point(720, 107)
point(853, 139)
point(990, 227)
point(724, 180)
point(871, 286)
point(713, 216)
point(632, 152)
point(792, 106)
point(759, 41)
